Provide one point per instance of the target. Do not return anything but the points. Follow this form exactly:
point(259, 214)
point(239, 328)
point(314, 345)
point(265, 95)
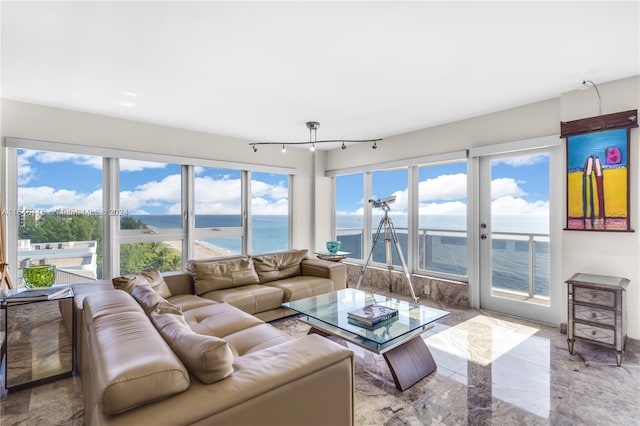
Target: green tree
point(133, 256)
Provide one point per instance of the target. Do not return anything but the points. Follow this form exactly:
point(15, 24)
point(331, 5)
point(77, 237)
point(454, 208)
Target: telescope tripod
point(389, 235)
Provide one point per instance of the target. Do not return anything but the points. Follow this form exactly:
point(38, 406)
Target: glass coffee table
point(397, 340)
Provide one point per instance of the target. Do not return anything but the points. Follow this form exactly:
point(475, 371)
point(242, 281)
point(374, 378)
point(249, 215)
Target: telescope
point(383, 202)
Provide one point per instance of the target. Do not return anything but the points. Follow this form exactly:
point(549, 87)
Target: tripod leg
point(404, 264)
point(364, 267)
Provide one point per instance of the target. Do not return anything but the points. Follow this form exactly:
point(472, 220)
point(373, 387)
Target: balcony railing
point(520, 260)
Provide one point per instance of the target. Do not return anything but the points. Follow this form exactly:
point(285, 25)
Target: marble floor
point(492, 370)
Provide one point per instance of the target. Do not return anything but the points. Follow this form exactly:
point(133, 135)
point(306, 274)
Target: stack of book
point(33, 294)
point(372, 315)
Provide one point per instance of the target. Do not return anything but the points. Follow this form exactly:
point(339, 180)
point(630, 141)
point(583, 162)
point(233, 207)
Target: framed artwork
point(598, 181)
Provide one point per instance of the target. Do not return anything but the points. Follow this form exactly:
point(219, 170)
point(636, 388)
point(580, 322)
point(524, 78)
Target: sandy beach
point(202, 249)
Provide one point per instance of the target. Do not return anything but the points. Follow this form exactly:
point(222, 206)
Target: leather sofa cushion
point(149, 277)
point(186, 302)
point(255, 338)
point(132, 364)
point(219, 320)
point(150, 301)
point(249, 298)
point(303, 286)
point(216, 274)
point(276, 266)
point(209, 358)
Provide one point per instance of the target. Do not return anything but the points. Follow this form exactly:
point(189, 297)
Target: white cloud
point(168, 189)
point(264, 206)
point(138, 166)
point(503, 187)
point(451, 207)
point(509, 205)
point(443, 187)
point(48, 198)
point(26, 173)
point(522, 160)
point(48, 157)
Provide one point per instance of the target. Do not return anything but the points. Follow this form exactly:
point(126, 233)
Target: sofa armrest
point(335, 271)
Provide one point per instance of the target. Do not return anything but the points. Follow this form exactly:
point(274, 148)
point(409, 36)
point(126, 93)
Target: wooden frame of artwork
point(598, 172)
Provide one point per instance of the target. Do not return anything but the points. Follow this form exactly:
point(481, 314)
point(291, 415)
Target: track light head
point(255, 149)
point(343, 146)
point(313, 147)
point(284, 148)
point(375, 145)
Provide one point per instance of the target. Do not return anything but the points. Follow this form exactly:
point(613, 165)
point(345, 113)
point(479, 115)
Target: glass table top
point(328, 312)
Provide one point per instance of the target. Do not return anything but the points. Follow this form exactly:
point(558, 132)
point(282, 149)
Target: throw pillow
point(209, 358)
point(150, 301)
point(150, 277)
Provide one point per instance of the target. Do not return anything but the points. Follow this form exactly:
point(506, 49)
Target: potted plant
point(39, 276)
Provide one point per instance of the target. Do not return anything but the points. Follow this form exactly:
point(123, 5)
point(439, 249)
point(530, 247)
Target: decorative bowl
point(333, 246)
point(39, 276)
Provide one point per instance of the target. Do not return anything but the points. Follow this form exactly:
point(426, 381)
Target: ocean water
point(270, 232)
point(442, 251)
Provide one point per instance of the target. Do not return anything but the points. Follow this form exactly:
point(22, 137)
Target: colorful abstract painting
point(598, 181)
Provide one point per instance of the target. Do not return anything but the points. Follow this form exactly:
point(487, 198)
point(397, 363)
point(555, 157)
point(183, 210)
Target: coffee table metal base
point(408, 362)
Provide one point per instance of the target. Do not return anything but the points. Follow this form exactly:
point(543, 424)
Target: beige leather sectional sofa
point(153, 352)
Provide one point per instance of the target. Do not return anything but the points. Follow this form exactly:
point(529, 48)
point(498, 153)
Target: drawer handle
point(593, 332)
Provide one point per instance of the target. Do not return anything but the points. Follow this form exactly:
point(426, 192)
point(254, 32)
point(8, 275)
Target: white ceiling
point(260, 70)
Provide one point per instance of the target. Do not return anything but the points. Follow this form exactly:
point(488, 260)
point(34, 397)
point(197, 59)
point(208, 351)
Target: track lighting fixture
point(313, 128)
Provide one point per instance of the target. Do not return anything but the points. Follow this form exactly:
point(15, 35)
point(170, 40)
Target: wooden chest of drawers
point(597, 311)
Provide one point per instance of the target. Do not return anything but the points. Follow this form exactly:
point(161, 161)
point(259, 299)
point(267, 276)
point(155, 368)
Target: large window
point(269, 212)
point(350, 213)
point(59, 213)
point(151, 197)
point(429, 215)
point(218, 212)
point(387, 183)
point(152, 210)
point(442, 220)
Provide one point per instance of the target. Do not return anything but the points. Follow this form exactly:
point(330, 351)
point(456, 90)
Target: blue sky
point(520, 185)
point(50, 180)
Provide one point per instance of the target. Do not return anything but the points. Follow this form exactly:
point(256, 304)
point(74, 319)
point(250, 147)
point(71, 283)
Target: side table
point(338, 256)
point(597, 311)
point(25, 378)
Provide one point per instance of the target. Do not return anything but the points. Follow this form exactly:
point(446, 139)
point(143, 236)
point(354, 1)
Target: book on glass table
point(33, 294)
point(372, 314)
point(383, 323)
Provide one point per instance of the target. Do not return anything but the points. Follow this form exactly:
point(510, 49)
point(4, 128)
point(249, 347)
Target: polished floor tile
point(492, 370)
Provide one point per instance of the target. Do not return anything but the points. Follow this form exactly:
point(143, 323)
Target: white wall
point(29, 121)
